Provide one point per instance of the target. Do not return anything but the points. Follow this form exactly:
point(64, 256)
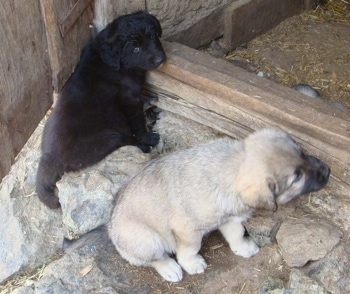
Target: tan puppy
point(174, 201)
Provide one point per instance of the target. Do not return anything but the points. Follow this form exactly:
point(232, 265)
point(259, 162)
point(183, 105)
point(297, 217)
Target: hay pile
point(311, 48)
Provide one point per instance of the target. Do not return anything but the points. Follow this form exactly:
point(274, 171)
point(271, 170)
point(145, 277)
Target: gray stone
point(270, 284)
point(332, 203)
point(86, 196)
point(262, 229)
point(89, 269)
point(179, 133)
point(176, 17)
point(333, 271)
point(30, 232)
point(305, 239)
point(299, 283)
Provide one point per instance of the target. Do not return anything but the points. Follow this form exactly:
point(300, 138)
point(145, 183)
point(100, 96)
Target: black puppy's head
point(132, 41)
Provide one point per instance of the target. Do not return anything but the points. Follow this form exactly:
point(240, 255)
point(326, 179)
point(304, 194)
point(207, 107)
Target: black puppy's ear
point(109, 48)
point(156, 24)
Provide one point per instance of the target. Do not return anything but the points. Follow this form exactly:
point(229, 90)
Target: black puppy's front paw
point(150, 139)
point(144, 148)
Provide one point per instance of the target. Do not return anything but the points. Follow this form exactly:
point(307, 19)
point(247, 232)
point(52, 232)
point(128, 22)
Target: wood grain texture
point(237, 102)
point(25, 77)
point(65, 52)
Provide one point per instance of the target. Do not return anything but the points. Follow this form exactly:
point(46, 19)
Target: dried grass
point(335, 11)
point(21, 280)
point(309, 60)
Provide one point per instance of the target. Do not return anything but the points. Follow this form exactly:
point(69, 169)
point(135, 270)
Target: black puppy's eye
point(136, 49)
point(151, 37)
point(298, 174)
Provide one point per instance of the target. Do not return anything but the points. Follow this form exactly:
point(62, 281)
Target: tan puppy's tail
point(96, 238)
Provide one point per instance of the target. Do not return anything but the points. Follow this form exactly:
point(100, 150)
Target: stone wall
point(176, 17)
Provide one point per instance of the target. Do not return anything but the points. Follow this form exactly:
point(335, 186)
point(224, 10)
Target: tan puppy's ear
point(258, 192)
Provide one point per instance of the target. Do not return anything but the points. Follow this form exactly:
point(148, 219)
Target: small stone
point(262, 229)
point(271, 283)
point(333, 271)
point(305, 239)
point(86, 196)
point(299, 283)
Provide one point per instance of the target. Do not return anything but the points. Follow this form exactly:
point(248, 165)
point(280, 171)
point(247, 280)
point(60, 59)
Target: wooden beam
point(227, 98)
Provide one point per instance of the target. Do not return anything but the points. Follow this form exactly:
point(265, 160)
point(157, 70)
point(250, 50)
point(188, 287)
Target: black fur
point(101, 107)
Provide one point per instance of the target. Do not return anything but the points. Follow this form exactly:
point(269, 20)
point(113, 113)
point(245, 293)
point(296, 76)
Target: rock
point(90, 269)
point(31, 233)
point(87, 196)
point(216, 49)
point(270, 284)
point(331, 203)
point(299, 283)
point(176, 17)
point(179, 133)
point(305, 239)
point(262, 228)
point(333, 271)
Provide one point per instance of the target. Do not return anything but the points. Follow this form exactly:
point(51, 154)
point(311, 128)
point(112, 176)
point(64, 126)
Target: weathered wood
point(246, 19)
point(65, 52)
point(237, 102)
point(25, 77)
point(202, 32)
point(72, 16)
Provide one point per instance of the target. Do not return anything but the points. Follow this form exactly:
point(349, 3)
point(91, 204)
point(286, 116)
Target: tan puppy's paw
point(169, 269)
point(245, 248)
point(194, 265)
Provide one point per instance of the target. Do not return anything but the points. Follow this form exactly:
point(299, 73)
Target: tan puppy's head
point(275, 169)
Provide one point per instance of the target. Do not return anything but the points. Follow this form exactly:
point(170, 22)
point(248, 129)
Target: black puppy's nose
point(158, 60)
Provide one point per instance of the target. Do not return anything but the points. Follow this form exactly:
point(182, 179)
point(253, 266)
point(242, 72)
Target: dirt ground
point(311, 48)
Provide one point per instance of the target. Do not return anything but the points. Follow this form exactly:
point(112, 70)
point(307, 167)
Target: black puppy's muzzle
point(159, 59)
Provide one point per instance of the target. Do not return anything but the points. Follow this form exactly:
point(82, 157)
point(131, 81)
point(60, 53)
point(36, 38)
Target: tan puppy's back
point(175, 200)
point(173, 192)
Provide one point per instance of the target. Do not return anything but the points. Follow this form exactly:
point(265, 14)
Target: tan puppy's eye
point(298, 174)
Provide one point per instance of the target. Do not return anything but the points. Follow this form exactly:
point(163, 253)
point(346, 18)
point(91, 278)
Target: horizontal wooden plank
point(240, 102)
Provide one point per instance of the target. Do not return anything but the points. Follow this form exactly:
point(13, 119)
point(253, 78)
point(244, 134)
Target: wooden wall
point(41, 45)
point(68, 30)
point(25, 76)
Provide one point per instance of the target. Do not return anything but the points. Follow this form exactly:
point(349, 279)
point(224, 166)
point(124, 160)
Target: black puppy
point(101, 107)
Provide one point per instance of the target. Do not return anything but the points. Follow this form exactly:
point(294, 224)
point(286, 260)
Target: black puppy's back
point(101, 106)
